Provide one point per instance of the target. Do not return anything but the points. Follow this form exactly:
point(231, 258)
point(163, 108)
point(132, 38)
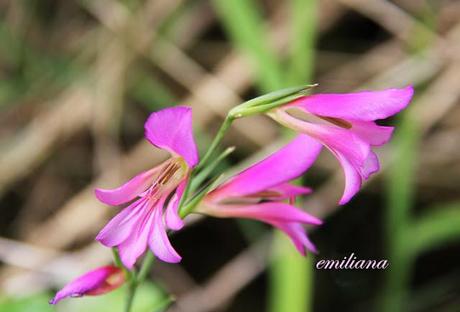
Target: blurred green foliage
point(35, 303)
point(149, 298)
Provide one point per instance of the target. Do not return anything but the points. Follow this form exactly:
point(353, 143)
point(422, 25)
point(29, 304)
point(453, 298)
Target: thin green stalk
point(138, 279)
point(132, 286)
point(204, 161)
point(187, 208)
point(215, 143)
point(146, 267)
point(204, 174)
point(116, 256)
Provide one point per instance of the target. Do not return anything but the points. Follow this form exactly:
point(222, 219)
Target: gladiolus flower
point(345, 124)
point(156, 192)
point(260, 192)
point(97, 282)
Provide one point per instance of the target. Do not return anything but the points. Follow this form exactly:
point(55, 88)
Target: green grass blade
point(303, 29)
point(150, 92)
point(243, 22)
point(441, 225)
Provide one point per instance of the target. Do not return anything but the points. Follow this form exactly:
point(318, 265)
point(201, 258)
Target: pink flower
point(345, 124)
point(97, 282)
point(260, 192)
point(155, 194)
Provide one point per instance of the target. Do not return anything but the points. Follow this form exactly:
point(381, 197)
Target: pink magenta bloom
point(97, 282)
point(345, 124)
point(156, 192)
point(260, 192)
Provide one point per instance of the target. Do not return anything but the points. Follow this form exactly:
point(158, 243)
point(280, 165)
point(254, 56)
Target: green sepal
point(269, 101)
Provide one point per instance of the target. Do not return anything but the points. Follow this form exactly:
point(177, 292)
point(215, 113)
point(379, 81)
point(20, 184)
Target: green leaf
point(440, 226)
point(150, 92)
point(303, 29)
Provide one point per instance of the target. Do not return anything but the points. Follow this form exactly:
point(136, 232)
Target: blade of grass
point(150, 92)
point(400, 199)
point(304, 19)
point(440, 226)
point(245, 25)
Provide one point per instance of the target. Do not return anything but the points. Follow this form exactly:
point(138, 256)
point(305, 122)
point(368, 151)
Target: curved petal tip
point(171, 129)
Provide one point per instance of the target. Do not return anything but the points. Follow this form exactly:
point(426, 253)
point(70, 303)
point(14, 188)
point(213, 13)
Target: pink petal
point(96, 282)
point(286, 164)
point(287, 190)
point(266, 212)
point(122, 225)
point(355, 173)
point(372, 133)
point(352, 149)
point(371, 165)
point(366, 105)
point(353, 179)
point(353, 153)
point(129, 190)
point(136, 243)
point(298, 236)
point(171, 129)
point(173, 220)
point(159, 242)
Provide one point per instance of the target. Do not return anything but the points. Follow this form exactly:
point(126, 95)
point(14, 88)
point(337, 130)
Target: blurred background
point(79, 78)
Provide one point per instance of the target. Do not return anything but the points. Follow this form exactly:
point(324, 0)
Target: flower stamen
point(168, 172)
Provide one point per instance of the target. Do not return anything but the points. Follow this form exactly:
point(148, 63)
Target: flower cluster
point(343, 123)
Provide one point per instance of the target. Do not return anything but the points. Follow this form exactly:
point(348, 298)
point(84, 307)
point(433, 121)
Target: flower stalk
point(215, 142)
point(138, 279)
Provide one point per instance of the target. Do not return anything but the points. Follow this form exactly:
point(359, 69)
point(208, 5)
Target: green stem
point(217, 139)
point(207, 157)
point(131, 293)
point(200, 177)
point(138, 279)
point(146, 267)
point(116, 258)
